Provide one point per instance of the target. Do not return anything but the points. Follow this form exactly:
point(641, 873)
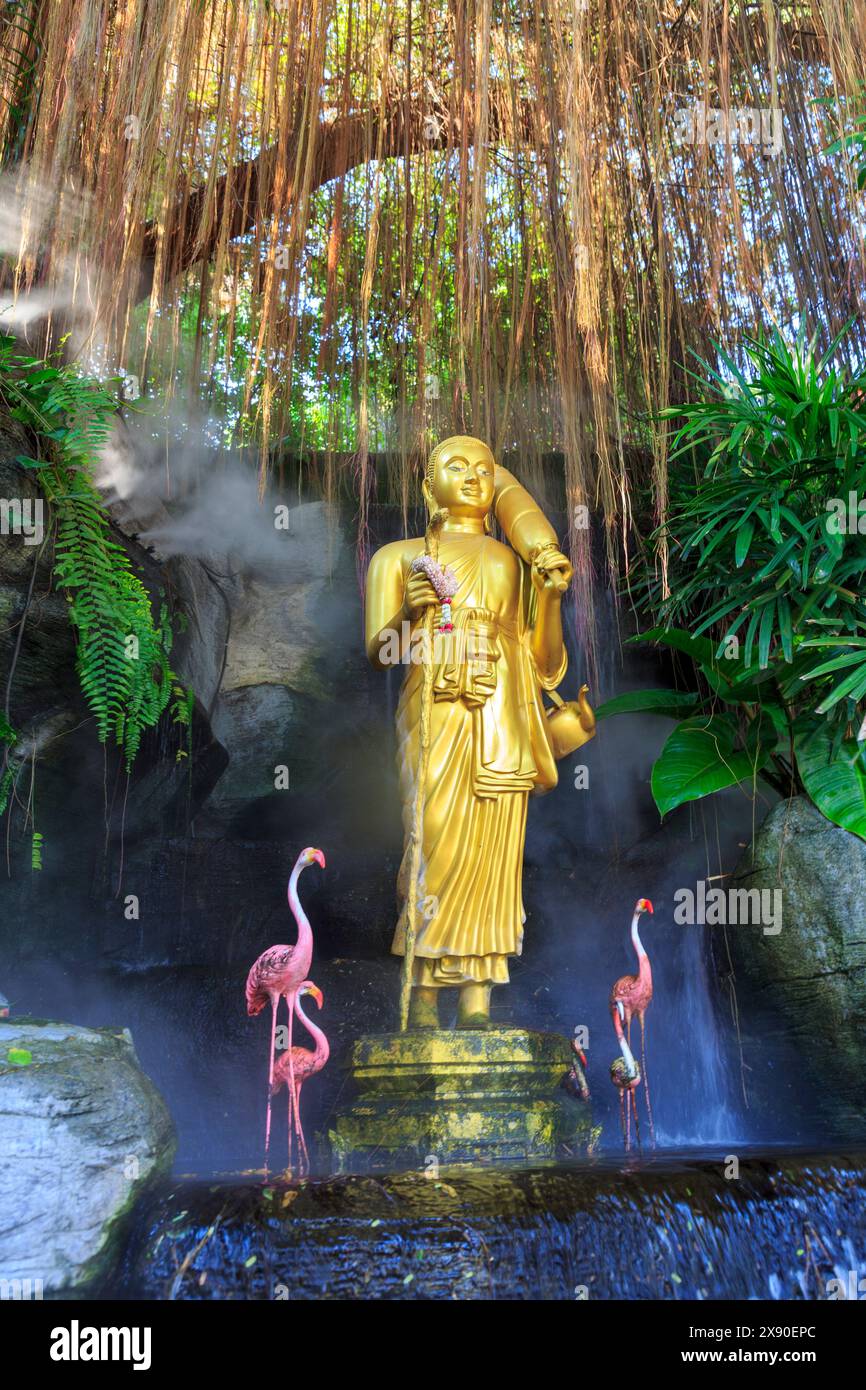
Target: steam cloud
point(169, 481)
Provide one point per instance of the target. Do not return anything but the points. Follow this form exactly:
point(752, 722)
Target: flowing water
point(676, 1226)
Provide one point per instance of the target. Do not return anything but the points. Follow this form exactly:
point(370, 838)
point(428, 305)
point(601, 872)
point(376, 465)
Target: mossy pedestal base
point(457, 1097)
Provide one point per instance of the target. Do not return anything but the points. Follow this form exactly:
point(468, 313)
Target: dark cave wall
point(209, 869)
point(75, 788)
point(276, 658)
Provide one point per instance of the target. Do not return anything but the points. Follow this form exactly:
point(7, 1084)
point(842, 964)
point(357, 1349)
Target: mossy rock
point(807, 982)
point(85, 1134)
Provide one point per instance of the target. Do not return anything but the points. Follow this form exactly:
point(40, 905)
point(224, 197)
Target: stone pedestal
point(457, 1097)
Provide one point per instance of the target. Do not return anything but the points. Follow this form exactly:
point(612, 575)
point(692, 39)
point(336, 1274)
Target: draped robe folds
point(488, 750)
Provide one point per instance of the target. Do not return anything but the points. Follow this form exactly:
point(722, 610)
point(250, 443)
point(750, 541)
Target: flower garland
point(444, 581)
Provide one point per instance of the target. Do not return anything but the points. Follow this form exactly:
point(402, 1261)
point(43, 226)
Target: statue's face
point(463, 477)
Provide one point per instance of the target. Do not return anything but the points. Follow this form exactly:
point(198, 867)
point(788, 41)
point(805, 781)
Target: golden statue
point(489, 741)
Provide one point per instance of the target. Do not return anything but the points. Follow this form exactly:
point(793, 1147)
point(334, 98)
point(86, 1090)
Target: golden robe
point(488, 750)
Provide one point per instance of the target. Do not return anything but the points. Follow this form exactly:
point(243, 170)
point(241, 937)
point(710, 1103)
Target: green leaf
point(786, 631)
point(766, 635)
point(744, 540)
point(837, 785)
point(852, 687)
point(671, 703)
point(700, 649)
point(739, 688)
point(701, 756)
point(837, 663)
point(779, 719)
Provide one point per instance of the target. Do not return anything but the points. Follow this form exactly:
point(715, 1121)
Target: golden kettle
point(570, 724)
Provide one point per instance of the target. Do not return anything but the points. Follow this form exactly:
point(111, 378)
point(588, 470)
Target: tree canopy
point(352, 227)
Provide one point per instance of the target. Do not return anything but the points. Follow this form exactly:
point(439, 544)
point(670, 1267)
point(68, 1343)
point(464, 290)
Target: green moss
point(437, 1096)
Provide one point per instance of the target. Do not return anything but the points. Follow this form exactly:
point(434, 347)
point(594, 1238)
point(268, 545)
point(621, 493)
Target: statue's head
point(460, 477)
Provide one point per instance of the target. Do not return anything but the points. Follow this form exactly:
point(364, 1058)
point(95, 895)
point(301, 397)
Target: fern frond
point(122, 654)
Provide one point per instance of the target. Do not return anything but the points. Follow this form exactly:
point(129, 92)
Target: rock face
point(84, 1132)
point(283, 688)
point(808, 981)
point(57, 761)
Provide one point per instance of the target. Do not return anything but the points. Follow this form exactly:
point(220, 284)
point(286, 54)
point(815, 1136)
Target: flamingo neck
point(635, 938)
point(323, 1047)
point(627, 1055)
point(305, 931)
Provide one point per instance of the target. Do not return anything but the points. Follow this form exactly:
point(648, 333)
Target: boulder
point(85, 1132)
point(295, 627)
point(806, 984)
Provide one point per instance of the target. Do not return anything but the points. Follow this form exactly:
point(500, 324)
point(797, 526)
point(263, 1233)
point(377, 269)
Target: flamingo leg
point(629, 1104)
point(649, 1108)
point(291, 1116)
point(622, 1118)
point(294, 1123)
point(274, 1001)
point(305, 1165)
point(290, 1000)
point(633, 1100)
point(627, 1120)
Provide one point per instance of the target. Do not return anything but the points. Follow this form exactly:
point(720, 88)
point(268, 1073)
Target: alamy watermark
point(729, 907)
point(847, 518)
point(746, 125)
point(77, 1343)
point(848, 1286)
point(403, 647)
point(23, 516)
point(20, 1290)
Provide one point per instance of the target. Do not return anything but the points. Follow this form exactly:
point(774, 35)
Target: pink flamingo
point(280, 970)
point(301, 1063)
point(635, 993)
point(625, 1075)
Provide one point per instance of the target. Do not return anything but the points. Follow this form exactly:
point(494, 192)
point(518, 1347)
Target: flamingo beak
point(319, 858)
point(316, 994)
point(644, 905)
point(620, 1008)
point(582, 1056)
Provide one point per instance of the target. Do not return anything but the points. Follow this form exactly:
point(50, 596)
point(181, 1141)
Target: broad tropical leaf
point(835, 781)
point(701, 756)
point(672, 703)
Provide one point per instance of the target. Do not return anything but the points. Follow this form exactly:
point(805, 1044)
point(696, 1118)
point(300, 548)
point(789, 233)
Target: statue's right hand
point(418, 595)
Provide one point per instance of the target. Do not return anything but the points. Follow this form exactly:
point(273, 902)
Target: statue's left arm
point(532, 536)
point(546, 641)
